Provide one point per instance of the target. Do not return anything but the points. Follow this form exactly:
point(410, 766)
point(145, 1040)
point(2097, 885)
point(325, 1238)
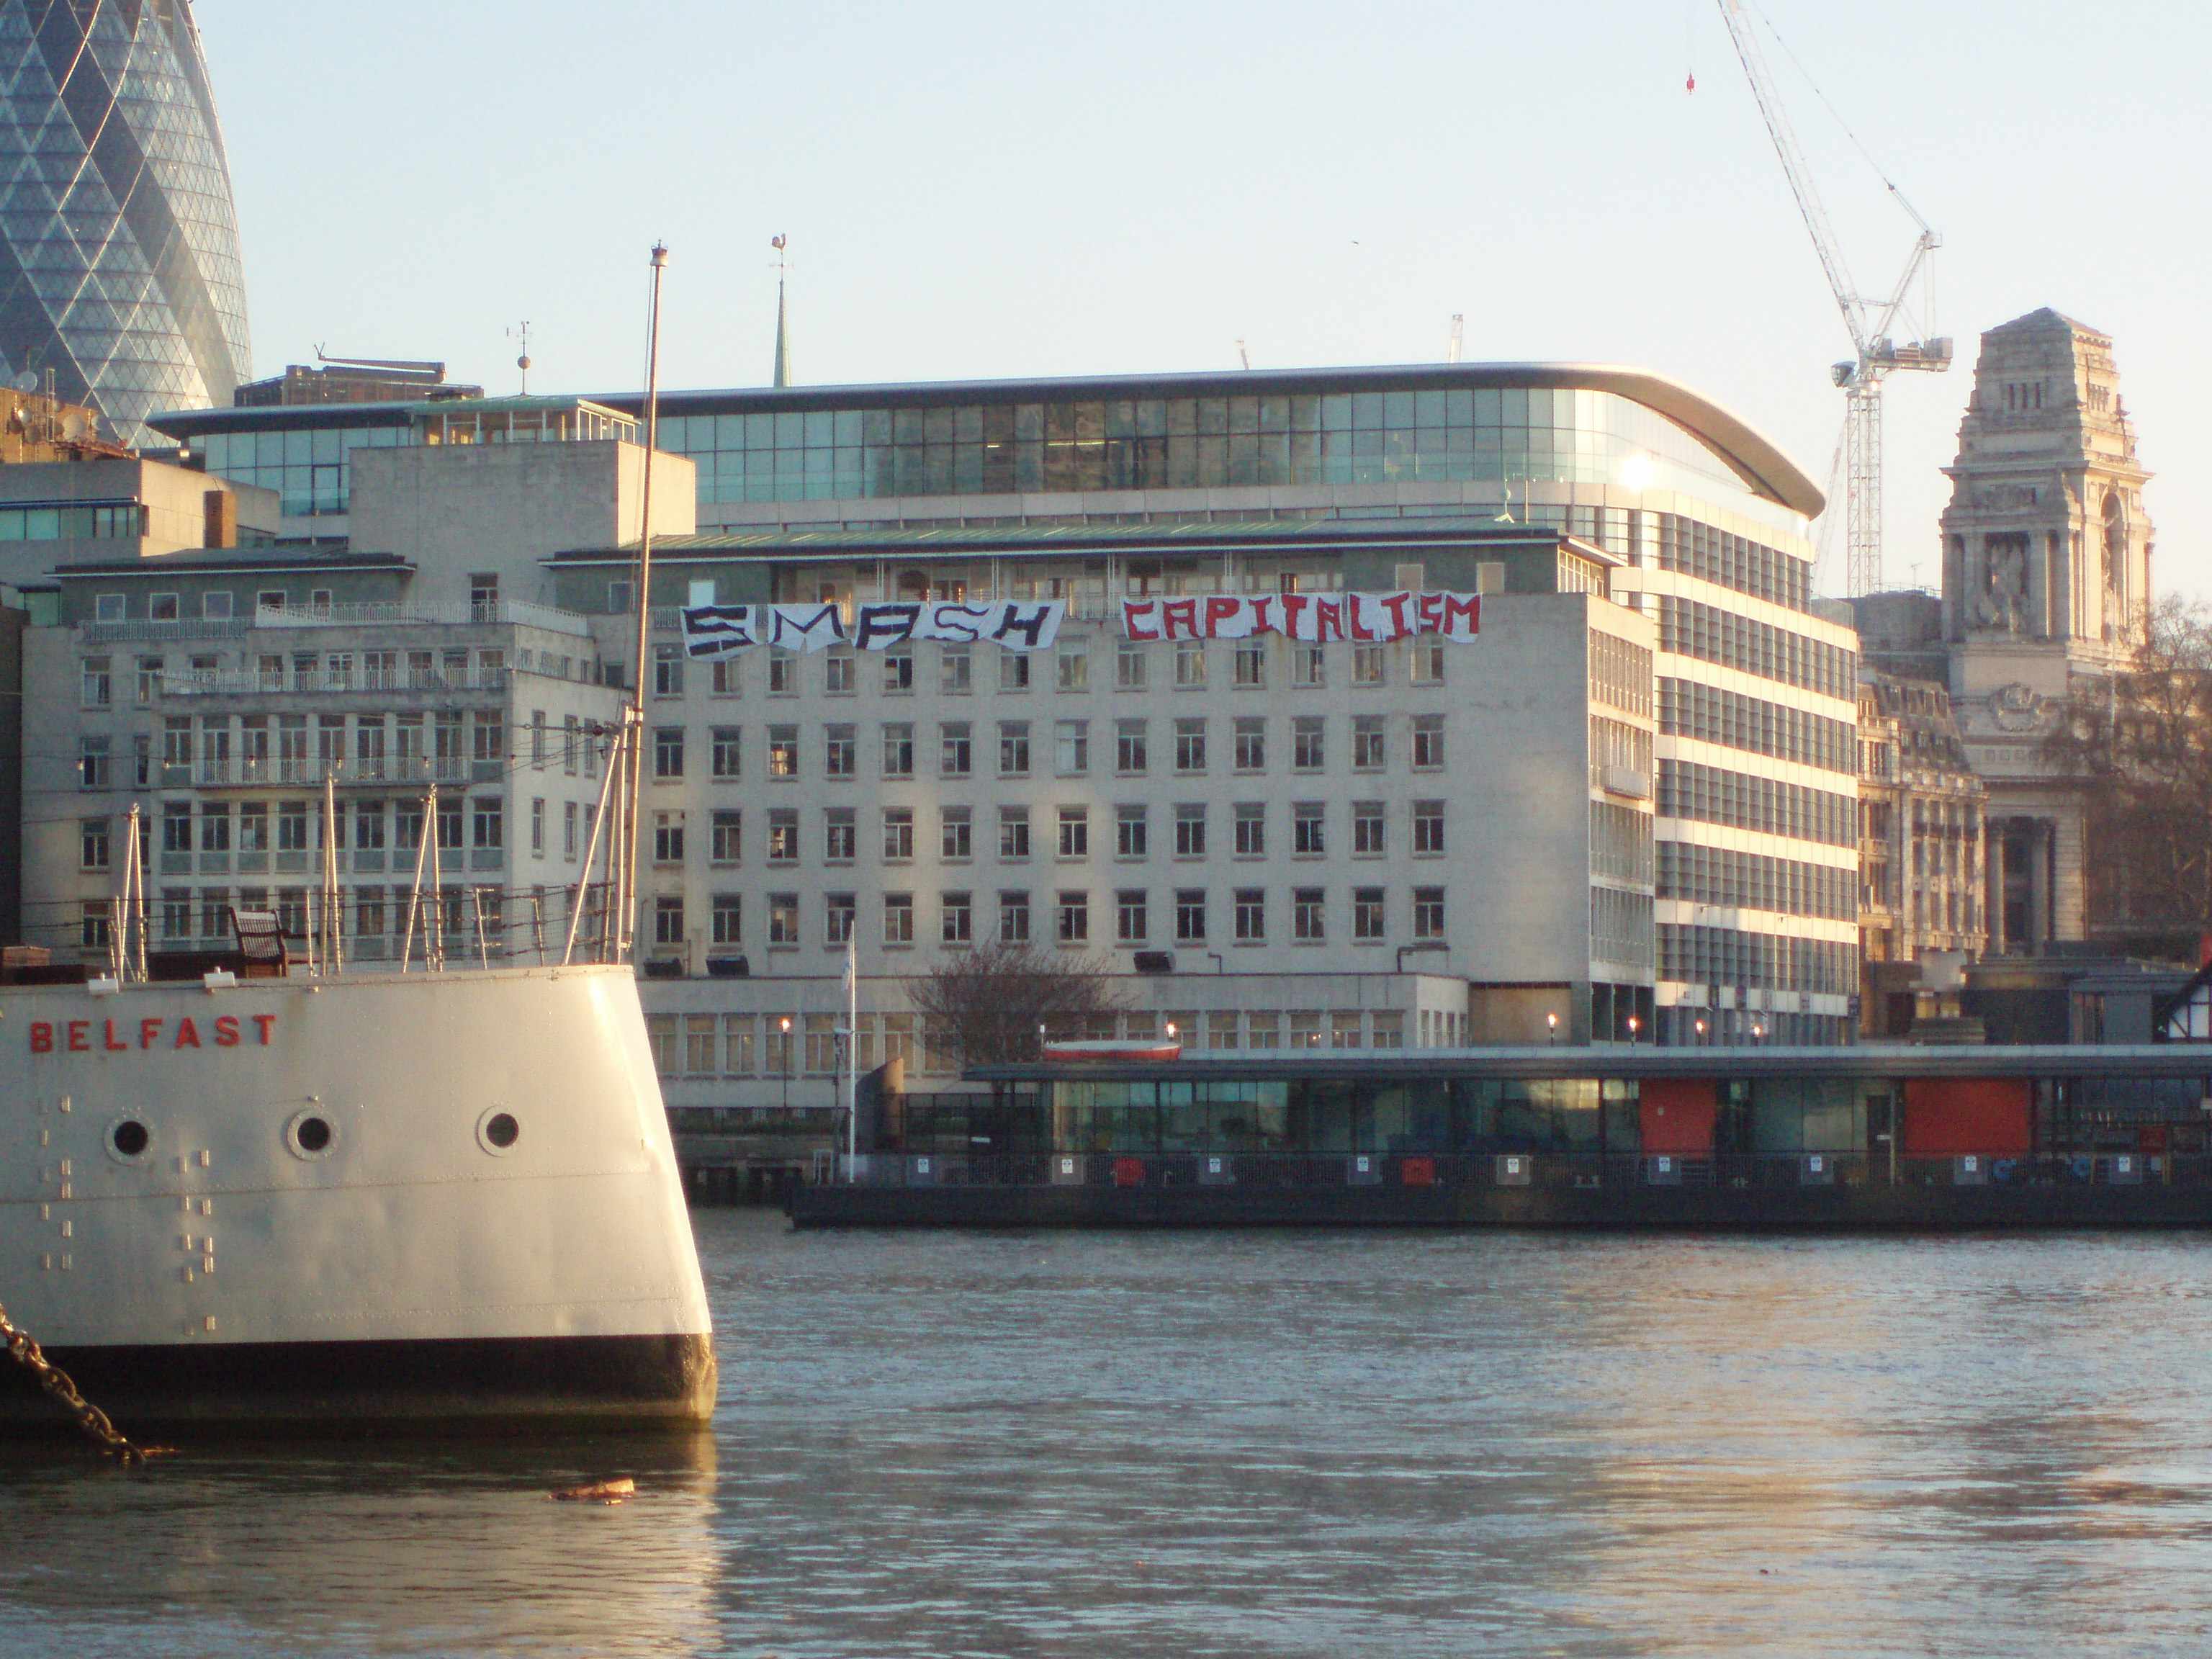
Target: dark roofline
point(222, 560)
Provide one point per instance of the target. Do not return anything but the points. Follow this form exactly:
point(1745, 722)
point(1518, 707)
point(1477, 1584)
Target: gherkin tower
point(120, 268)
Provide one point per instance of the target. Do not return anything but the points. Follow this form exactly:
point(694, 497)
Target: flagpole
point(851, 1056)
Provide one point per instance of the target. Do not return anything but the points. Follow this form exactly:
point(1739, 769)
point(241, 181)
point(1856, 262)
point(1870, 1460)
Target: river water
point(1254, 1444)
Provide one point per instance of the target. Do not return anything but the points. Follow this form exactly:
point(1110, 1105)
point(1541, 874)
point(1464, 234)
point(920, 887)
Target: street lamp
point(1171, 1030)
point(1758, 1033)
point(1699, 1024)
point(1551, 1028)
point(1632, 1024)
point(784, 1024)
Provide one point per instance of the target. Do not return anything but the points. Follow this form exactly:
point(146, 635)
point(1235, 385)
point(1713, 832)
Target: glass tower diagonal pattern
point(119, 268)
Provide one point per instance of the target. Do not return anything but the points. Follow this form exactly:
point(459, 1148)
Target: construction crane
point(1870, 320)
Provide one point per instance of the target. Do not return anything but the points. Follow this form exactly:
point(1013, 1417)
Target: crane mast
point(1876, 355)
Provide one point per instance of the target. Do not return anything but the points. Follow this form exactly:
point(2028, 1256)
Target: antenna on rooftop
point(1458, 336)
point(520, 335)
point(1242, 356)
point(781, 244)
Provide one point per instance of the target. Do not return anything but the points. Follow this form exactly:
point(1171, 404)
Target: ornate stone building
point(2046, 576)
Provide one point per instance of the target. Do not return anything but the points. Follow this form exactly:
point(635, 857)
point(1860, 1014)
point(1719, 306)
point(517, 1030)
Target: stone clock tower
point(2046, 580)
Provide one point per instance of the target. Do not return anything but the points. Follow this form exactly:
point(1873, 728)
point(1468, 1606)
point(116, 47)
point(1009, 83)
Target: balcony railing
point(454, 614)
point(244, 682)
point(304, 772)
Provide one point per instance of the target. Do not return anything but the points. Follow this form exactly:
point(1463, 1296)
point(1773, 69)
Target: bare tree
point(2144, 743)
point(985, 1006)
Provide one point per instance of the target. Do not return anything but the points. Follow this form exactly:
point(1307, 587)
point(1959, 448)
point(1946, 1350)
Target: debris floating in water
point(599, 1491)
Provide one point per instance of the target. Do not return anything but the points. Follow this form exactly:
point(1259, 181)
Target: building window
point(112, 607)
point(955, 671)
point(1073, 666)
point(568, 830)
point(1428, 741)
point(956, 840)
point(1014, 918)
point(728, 918)
point(1129, 749)
point(839, 836)
point(161, 607)
point(1307, 837)
point(97, 682)
point(667, 671)
point(1367, 831)
point(1014, 671)
point(536, 828)
point(1308, 925)
point(1190, 664)
point(729, 677)
point(1251, 829)
point(1249, 666)
point(1074, 918)
point(1014, 834)
point(727, 753)
point(1428, 827)
point(1251, 744)
point(782, 675)
point(1368, 748)
point(898, 919)
point(1367, 665)
point(1013, 748)
point(727, 835)
point(1130, 915)
point(1131, 831)
point(837, 751)
point(898, 673)
point(783, 752)
point(1344, 1030)
point(1071, 748)
point(956, 755)
point(1428, 913)
point(1190, 829)
point(667, 754)
point(958, 917)
point(1190, 915)
point(668, 919)
point(1190, 745)
point(837, 913)
point(487, 825)
point(1367, 923)
point(898, 749)
point(1307, 754)
point(1075, 832)
point(783, 835)
point(1251, 917)
point(1428, 662)
point(898, 834)
point(668, 838)
point(1129, 662)
point(1309, 666)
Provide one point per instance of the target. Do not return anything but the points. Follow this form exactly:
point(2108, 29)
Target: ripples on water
point(1255, 1444)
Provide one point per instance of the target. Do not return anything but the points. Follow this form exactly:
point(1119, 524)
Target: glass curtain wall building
point(119, 269)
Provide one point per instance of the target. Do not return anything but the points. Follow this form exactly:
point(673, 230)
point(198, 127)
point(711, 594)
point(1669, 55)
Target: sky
point(983, 189)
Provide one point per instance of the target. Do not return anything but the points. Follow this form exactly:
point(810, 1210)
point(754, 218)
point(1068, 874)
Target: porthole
point(311, 1135)
point(128, 1138)
point(497, 1131)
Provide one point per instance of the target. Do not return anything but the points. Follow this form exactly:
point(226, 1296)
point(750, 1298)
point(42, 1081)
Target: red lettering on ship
point(42, 1037)
point(188, 1034)
point(226, 1031)
point(79, 1036)
point(265, 1023)
point(148, 1030)
point(111, 1043)
point(74, 1035)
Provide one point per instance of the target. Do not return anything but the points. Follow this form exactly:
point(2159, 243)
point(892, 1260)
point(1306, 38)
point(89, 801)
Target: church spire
point(782, 316)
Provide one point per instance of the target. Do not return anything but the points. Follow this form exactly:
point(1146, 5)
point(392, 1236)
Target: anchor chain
point(24, 1350)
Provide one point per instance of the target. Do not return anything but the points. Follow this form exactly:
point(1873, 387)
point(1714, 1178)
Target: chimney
point(219, 514)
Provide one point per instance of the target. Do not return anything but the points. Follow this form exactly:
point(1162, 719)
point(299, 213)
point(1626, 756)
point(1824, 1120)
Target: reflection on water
point(1255, 1444)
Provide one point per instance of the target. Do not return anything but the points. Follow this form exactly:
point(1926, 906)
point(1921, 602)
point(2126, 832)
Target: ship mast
point(630, 750)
